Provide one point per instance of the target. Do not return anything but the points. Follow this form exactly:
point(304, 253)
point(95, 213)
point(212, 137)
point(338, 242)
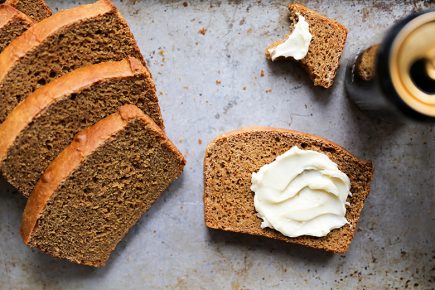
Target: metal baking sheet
point(211, 82)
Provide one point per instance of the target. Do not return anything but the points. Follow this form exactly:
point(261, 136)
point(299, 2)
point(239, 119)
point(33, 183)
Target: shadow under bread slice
point(35, 9)
point(230, 161)
point(69, 39)
point(99, 186)
point(42, 125)
point(12, 24)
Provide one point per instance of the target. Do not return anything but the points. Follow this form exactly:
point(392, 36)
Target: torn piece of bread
point(12, 24)
point(35, 9)
point(326, 47)
point(45, 122)
point(99, 186)
point(230, 161)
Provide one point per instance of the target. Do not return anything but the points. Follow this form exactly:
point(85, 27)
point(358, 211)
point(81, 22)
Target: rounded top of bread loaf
point(84, 144)
point(271, 130)
point(23, 114)
point(7, 13)
point(47, 27)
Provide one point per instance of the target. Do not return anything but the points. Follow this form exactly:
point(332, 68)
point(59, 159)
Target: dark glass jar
point(397, 77)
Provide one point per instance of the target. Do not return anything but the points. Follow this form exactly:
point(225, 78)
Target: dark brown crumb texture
point(96, 205)
point(36, 9)
point(51, 131)
point(229, 203)
point(12, 30)
point(92, 41)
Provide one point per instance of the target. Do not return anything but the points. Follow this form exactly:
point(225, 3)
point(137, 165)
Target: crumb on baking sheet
point(262, 73)
point(218, 82)
point(268, 90)
point(202, 30)
point(199, 141)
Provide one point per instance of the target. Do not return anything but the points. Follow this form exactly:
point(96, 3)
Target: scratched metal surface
point(210, 83)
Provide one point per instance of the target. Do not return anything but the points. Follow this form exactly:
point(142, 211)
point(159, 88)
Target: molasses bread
point(324, 53)
point(365, 65)
point(230, 161)
point(45, 122)
point(59, 44)
point(35, 9)
point(99, 186)
point(12, 24)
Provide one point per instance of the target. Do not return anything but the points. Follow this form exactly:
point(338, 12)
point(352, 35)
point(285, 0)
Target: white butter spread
point(302, 192)
point(297, 43)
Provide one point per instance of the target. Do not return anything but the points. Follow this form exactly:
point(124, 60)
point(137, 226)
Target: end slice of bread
point(12, 24)
point(365, 65)
point(45, 122)
point(36, 9)
point(69, 39)
point(324, 53)
point(99, 186)
point(230, 161)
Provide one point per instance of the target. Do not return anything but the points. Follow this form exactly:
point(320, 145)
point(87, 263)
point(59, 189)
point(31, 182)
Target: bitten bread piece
point(45, 122)
point(12, 24)
point(231, 159)
point(36, 9)
point(69, 39)
point(326, 47)
point(99, 186)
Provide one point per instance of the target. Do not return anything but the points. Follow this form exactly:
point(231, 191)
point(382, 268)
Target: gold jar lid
point(415, 43)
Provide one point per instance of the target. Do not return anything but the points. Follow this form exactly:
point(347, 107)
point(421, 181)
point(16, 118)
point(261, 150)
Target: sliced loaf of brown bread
point(36, 9)
point(99, 186)
point(231, 159)
point(67, 40)
point(12, 24)
point(326, 47)
point(45, 122)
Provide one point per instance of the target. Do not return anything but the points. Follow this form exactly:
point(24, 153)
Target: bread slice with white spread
point(232, 158)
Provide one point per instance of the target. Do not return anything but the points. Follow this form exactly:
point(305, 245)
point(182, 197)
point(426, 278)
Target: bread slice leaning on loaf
point(99, 186)
point(59, 44)
point(36, 9)
point(45, 122)
point(230, 161)
point(12, 24)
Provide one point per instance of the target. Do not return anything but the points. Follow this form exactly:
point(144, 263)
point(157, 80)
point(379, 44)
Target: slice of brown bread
point(45, 122)
point(99, 186)
point(326, 47)
point(12, 24)
point(365, 65)
point(59, 44)
point(231, 159)
point(36, 9)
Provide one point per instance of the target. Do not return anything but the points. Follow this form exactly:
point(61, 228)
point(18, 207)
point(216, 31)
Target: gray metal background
point(171, 248)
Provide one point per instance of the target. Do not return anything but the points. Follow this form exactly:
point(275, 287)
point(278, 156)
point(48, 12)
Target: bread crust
point(85, 142)
point(41, 5)
point(23, 114)
point(269, 233)
point(8, 13)
point(36, 34)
